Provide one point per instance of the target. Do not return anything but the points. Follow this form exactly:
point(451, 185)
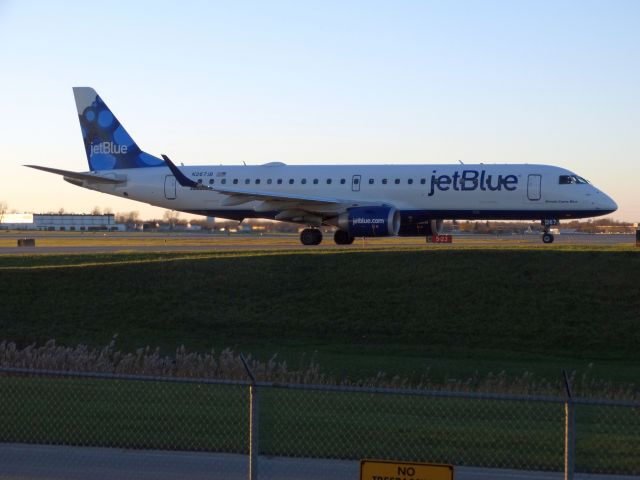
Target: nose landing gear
point(547, 236)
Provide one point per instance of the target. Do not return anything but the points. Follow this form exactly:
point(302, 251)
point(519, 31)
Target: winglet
point(180, 177)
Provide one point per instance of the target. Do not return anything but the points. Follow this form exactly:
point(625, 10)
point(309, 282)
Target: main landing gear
point(342, 237)
point(311, 236)
point(547, 237)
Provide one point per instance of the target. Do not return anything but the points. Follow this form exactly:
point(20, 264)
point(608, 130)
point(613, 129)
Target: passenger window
point(410, 181)
point(315, 181)
point(304, 181)
point(257, 181)
point(423, 181)
point(356, 181)
point(291, 181)
point(328, 181)
point(235, 181)
point(397, 181)
point(211, 182)
point(371, 181)
point(223, 181)
point(200, 181)
point(279, 181)
point(342, 181)
point(268, 181)
point(246, 181)
point(384, 181)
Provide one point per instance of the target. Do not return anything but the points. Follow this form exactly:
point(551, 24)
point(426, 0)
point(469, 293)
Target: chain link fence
point(80, 425)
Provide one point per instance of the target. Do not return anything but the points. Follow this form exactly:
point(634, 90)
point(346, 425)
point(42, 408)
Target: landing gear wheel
point(342, 237)
point(547, 237)
point(311, 236)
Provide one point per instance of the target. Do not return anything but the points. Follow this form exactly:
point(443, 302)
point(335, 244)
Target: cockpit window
point(566, 179)
point(569, 179)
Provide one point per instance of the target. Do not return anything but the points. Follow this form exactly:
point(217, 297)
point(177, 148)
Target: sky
point(337, 82)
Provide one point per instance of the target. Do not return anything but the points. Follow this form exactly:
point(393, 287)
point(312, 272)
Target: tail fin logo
point(108, 148)
point(107, 143)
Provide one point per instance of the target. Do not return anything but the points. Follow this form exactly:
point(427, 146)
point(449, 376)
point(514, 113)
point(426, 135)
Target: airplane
point(359, 200)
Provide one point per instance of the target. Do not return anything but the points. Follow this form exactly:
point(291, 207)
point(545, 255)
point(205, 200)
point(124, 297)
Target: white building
point(60, 222)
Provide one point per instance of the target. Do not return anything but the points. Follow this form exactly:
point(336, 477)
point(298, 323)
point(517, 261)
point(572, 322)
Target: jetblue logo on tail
point(108, 148)
point(107, 143)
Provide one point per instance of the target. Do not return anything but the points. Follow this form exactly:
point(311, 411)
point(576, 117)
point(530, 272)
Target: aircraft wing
point(249, 195)
point(90, 177)
point(241, 195)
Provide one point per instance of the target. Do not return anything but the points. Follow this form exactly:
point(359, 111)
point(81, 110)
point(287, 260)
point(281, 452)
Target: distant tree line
point(601, 225)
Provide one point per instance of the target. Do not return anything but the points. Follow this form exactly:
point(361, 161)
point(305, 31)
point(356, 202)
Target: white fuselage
point(419, 192)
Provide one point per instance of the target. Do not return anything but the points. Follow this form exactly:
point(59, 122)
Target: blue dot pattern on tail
point(107, 143)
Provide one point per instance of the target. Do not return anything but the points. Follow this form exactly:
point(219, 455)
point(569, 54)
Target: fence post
point(254, 422)
point(569, 431)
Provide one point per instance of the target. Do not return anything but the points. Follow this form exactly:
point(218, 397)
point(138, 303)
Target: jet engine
point(369, 221)
point(428, 228)
point(433, 227)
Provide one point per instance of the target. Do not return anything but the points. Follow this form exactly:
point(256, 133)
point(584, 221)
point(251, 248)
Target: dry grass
point(227, 365)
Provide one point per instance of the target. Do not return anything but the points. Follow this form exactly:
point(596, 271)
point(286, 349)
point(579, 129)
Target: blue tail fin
point(106, 142)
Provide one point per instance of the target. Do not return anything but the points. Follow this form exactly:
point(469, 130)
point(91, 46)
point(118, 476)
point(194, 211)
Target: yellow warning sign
point(386, 470)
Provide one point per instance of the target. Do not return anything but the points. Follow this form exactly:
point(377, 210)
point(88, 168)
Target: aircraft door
point(170, 187)
point(355, 183)
point(534, 187)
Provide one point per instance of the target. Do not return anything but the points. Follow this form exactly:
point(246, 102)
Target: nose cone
point(606, 203)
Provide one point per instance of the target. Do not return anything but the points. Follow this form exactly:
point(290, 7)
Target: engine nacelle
point(428, 228)
point(369, 221)
point(434, 227)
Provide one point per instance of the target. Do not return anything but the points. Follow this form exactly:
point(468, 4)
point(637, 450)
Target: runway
point(88, 243)
point(47, 462)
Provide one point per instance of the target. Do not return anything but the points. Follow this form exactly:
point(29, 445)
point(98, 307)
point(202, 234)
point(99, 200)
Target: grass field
point(239, 240)
point(412, 311)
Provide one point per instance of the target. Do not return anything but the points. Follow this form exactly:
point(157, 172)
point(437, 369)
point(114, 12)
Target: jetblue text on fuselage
point(470, 180)
point(108, 148)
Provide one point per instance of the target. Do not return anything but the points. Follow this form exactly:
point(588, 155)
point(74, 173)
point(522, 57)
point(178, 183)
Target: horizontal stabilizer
point(89, 177)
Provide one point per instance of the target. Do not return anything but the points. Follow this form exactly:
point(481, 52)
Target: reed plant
point(227, 365)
